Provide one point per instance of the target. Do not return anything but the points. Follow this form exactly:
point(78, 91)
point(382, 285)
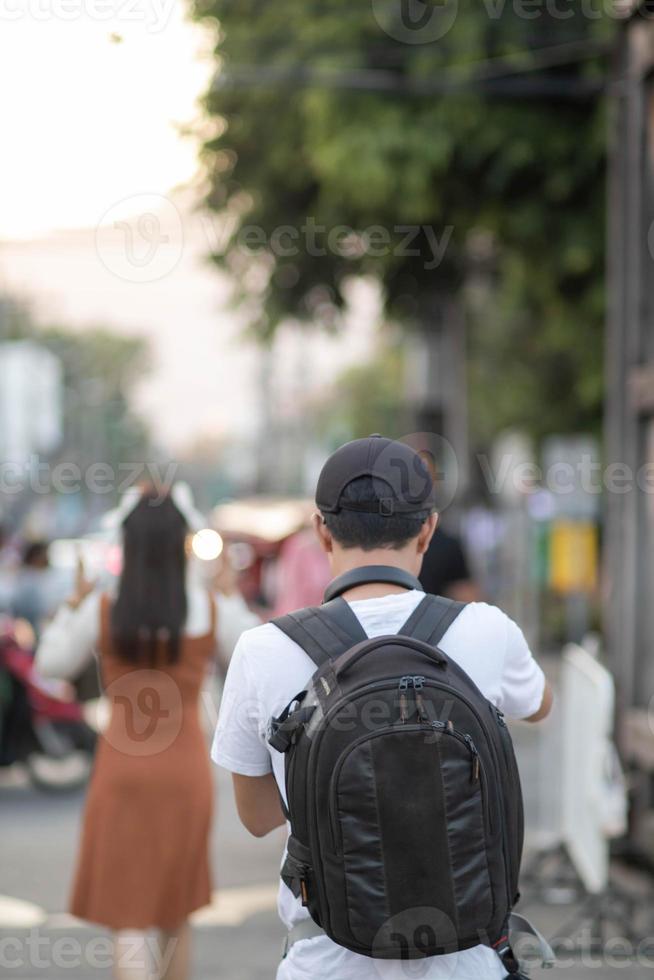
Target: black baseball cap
point(402, 483)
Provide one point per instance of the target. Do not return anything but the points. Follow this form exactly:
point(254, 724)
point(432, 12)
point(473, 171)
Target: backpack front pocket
point(409, 820)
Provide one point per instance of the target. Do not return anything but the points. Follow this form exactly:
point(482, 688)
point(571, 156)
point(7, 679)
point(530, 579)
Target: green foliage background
point(522, 170)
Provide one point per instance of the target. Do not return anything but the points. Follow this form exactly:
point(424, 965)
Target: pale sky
point(87, 120)
point(89, 136)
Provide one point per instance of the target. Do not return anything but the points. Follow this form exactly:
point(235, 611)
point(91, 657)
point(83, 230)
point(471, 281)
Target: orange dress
point(144, 860)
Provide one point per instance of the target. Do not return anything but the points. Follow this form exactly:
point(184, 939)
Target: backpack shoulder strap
point(432, 618)
point(324, 632)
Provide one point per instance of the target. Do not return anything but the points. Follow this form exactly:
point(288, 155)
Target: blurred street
point(429, 221)
point(39, 835)
point(239, 936)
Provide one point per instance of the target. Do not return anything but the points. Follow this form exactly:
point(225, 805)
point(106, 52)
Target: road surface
point(237, 937)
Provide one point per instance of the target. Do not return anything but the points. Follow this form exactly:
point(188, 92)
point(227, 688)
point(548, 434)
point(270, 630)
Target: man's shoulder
point(268, 661)
point(263, 640)
point(486, 617)
point(260, 636)
point(486, 610)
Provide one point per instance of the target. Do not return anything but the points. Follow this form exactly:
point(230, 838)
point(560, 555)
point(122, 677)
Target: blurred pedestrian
point(445, 570)
point(9, 559)
point(30, 598)
point(302, 573)
point(143, 862)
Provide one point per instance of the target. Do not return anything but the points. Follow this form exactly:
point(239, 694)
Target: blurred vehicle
point(102, 557)
point(255, 531)
point(99, 552)
point(42, 726)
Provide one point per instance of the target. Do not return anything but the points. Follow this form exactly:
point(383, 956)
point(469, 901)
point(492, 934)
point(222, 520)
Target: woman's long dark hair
point(150, 611)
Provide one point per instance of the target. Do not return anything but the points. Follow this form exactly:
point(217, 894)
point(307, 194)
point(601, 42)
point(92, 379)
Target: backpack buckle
point(283, 732)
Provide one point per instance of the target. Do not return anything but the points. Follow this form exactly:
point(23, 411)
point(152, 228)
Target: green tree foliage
point(366, 398)
point(326, 119)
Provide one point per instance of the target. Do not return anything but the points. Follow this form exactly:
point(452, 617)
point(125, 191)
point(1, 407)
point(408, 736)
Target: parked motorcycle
point(42, 725)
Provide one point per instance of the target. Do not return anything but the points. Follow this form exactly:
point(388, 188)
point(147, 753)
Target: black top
point(444, 564)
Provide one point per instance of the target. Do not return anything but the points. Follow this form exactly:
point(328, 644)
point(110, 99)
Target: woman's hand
point(225, 580)
point(83, 585)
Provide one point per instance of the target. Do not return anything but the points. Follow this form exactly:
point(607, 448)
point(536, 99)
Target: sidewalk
point(238, 938)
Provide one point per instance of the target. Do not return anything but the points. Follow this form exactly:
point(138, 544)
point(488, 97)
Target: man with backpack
point(375, 724)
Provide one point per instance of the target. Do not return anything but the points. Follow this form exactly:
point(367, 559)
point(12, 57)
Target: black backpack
point(403, 792)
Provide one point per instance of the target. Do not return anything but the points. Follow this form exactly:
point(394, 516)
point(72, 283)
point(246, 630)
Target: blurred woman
point(143, 862)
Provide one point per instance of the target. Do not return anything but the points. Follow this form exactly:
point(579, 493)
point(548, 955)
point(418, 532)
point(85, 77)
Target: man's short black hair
point(357, 529)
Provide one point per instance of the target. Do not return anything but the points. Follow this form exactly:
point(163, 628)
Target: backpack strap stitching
point(327, 631)
point(338, 613)
point(432, 618)
point(323, 632)
point(293, 626)
point(444, 624)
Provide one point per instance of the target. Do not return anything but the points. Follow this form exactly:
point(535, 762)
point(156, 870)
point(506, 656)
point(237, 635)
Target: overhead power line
point(510, 75)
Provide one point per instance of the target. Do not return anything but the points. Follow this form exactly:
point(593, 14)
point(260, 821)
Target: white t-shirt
point(268, 670)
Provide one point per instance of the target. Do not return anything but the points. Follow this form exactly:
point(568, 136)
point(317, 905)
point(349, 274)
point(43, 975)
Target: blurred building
point(210, 380)
point(31, 391)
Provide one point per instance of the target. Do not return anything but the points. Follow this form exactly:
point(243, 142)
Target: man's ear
point(323, 533)
point(427, 533)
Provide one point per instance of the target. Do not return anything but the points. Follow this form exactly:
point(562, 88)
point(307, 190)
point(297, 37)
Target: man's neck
point(350, 558)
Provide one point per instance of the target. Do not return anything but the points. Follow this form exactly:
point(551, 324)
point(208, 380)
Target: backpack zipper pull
point(405, 682)
point(475, 758)
point(418, 684)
